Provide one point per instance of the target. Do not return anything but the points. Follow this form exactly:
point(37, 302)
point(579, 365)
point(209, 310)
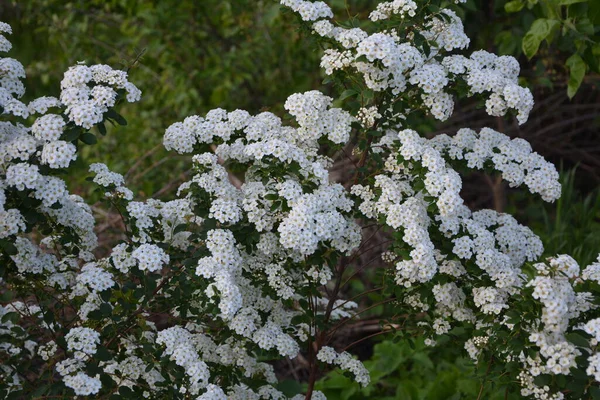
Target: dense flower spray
point(209, 287)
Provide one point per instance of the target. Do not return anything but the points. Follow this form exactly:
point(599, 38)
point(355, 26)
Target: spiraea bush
point(246, 265)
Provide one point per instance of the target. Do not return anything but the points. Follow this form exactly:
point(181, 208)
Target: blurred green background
point(196, 55)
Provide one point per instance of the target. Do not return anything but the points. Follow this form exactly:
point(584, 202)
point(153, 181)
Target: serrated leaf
point(577, 69)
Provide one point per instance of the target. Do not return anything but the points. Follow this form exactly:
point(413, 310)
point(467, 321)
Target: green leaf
point(540, 30)
point(542, 380)
point(577, 69)
point(567, 2)
point(105, 309)
point(49, 317)
point(101, 128)
point(112, 114)
point(348, 93)
point(102, 354)
point(41, 390)
point(71, 134)
point(595, 392)
point(577, 339)
point(10, 316)
point(9, 248)
point(514, 6)
point(88, 138)
point(125, 391)
point(7, 296)
point(289, 387)
point(594, 12)
point(585, 26)
point(388, 357)
point(180, 228)
point(591, 57)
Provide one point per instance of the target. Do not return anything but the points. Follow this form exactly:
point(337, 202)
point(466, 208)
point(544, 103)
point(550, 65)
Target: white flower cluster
point(592, 272)
point(486, 72)
point(164, 217)
point(397, 7)
point(23, 150)
point(316, 218)
point(388, 61)
point(346, 362)
point(150, 257)
point(475, 345)
point(555, 292)
point(316, 119)
point(224, 265)
point(368, 116)
point(181, 349)
point(488, 249)
point(555, 286)
point(82, 341)
point(94, 277)
point(82, 384)
point(308, 10)
point(105, 177)
point(46, 351)
point(86, 106)
point(513, 158)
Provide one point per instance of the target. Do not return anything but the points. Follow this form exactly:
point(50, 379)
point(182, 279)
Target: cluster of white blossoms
point(82, 342)
point(346, 362)
point(25, 152)
point(309, 10)
point(150, 257)
point(397, 7)
point(495, 244)
point(107, 178)
point(86, 105)
point(181, 349)
point(234, 277)
point(391, 61)
point(513, 158)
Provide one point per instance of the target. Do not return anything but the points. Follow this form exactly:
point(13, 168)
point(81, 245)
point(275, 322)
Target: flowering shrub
point(246, 264)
